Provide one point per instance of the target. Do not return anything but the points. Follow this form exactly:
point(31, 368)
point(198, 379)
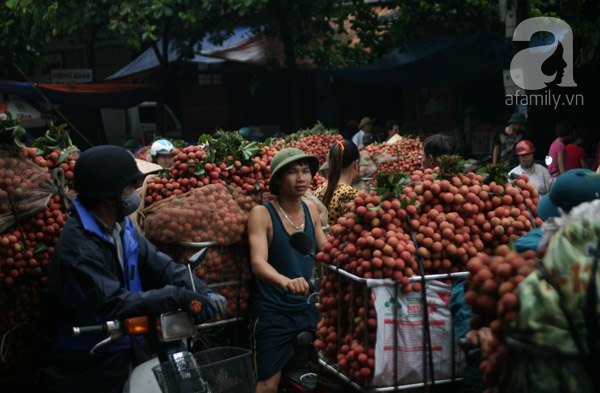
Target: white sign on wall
point(71, 76)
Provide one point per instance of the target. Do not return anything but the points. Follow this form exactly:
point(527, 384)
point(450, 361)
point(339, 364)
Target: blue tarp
point(116, 95)
point(89, 95)
point(436, 61)
point(148, 61)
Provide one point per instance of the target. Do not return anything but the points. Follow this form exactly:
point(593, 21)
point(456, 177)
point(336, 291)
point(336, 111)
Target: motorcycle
point(298, 375)
point(301, 374)
point(175, 368)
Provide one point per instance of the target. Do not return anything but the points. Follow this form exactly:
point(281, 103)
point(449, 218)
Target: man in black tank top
point(276, 319)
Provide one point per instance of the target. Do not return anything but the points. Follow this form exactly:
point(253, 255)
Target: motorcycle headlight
point(175, 325)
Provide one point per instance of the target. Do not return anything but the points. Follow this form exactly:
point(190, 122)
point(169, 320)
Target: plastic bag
point(25, 189)
point(568, 260)
point(409, 319)
point(138, 217)
point(582, 214)
point(207, 214)
point(246, 201)
point(383, 158)
point(541, 321)
point(321, 208)
point(367, 170)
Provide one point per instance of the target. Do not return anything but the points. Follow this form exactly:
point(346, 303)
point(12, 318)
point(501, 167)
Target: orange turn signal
point(137, 325)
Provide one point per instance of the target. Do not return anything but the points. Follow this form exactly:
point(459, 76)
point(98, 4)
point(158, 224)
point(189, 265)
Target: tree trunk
point(290, 60)
point(521, 13)
point(522, 10)
point(90, 49)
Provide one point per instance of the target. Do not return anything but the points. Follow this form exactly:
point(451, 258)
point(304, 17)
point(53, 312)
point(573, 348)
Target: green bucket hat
point(287, 156)
point(131, 142)
point(517, 117)
point(361, 162)
point(571, 189)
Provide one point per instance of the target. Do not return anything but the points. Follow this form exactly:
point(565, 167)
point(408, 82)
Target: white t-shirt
point(358, 138)
point(539, 176)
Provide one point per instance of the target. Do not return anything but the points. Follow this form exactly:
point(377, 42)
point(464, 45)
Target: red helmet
point(524, 147)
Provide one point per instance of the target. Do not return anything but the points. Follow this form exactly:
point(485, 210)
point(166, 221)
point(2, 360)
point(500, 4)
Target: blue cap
point(570, 189)
point(245, 131)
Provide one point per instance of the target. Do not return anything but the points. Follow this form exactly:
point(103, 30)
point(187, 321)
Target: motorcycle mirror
point(193, 263)
point(198, 257)
point(301, 242)
point(548, 160)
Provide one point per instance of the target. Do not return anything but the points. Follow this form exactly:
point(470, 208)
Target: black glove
point(188, 301)
point(219, 302)
point(216, 304)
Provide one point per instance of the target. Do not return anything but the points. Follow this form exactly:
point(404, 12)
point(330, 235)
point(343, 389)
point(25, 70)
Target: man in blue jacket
point(103, 269)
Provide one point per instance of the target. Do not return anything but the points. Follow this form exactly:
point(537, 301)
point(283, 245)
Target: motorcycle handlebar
point(313, 283)
point(465, 344)
point(96, 329)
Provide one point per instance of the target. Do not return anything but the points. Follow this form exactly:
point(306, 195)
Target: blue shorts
point(272, 339)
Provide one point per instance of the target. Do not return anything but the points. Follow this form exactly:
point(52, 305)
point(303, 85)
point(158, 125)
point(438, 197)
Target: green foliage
point(228, 147)
point(317, 129)
point(450, 165)
point(417, 17)
point(583, 17)
point(390, 183)
point(182, 21)
point(56, 137)
point(326, 33)
point(319, 29)
point(26, 25)
point(11, 133)
point(497, 173)
point(18, 37)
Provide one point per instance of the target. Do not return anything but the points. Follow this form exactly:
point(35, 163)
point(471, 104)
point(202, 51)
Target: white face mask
point(130, 202)
point(526, 165)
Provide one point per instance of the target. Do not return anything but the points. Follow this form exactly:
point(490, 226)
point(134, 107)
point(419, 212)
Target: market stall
point(389, 263)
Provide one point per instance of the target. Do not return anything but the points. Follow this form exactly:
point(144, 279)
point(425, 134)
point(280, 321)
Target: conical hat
point(147, 167)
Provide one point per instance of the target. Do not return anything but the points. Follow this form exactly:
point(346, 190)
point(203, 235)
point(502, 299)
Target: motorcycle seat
point(305, 338)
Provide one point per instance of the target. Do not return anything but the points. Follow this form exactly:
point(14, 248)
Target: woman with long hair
point(558, 150)
point(335, 194)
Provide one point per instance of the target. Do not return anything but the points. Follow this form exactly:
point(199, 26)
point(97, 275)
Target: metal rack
point(238, 317)
point(216, 285)
point(367, 285)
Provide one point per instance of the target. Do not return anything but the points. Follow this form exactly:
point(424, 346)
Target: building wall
point(111, 54)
